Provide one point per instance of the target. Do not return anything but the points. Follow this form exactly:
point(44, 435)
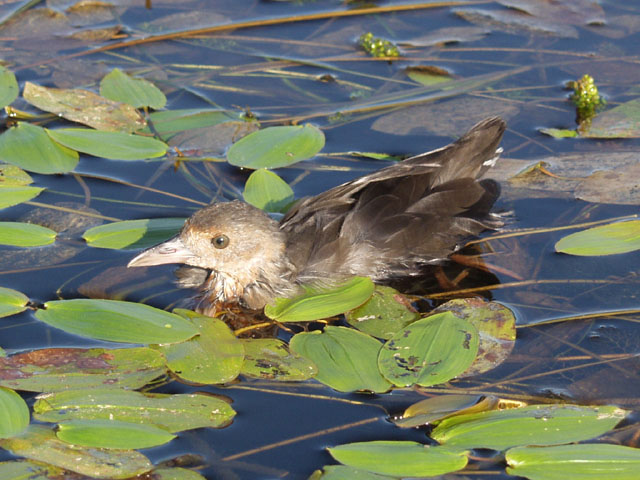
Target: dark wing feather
point(391, 221)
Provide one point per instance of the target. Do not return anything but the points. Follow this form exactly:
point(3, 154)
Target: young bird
point(386, 224)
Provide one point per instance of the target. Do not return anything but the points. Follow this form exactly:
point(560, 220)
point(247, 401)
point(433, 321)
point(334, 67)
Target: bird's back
point(390, 222)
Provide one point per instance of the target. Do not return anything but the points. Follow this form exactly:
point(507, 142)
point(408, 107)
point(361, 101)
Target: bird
point(388, 224)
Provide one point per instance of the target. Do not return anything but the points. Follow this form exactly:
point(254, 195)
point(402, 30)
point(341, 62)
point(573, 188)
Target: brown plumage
point(386, 224)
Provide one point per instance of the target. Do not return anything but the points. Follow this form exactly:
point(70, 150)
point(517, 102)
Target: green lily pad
point(172, 413)
point(39, 443)
point(386, 312)
point(317, 303)
point(430, 351)
point(346, 358)
point(620, 237)
point(532, 425)
point(58, 369)
point(112, 434)
point(14, 413)
point(112, 145)
point(270, 358)
point(267, 191)
point(20, 234)
point(577, 462)
point(84, 107)
point(275, 147)
point(342, 472)
point(137, 92)
point(214, 356)
point(10, 196)
point(116, 321)
point(176, 474)
point(400, 458)
point(12, 302)
point(131, 234)
point(559, 132)
point(29, 147)
point(8, 87)
point(12, 176)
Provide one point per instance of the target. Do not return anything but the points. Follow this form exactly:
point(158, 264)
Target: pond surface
point(299, 62)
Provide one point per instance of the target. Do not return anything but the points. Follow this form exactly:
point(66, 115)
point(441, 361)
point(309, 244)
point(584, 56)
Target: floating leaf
point(40, 443)
point(30, 148)
point(172, 413)
point(130, 234)
point(10, 196)
point(8, 87)
point(496, 325)
point(275, 147)
point(342, 472)
point(577, 462)
point(386, 312)
point(346, 358)
point(14, 413)
point(428, 74)
point(622, 121)
point(169, 122)
point(12, 302)
point(430, 351)
point(112, 145)
point(84, 107)
point(112, 434)
point(12, 176)
point(318, 303)
point(28, 470)
point(137, 92)
point(532, 425)
point(270, 358)
point(620, 237)
point(57, 369)
point(267, 191)
point(116, 321)
point(19, 234)
point(559, 132)
point(400, 458)
point(176, 474)
point(437, 408)
point(214, 356)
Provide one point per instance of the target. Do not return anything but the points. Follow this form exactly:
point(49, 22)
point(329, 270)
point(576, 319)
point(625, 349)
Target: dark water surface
point(281, 431)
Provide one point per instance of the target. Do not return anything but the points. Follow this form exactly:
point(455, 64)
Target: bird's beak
point(171, 251)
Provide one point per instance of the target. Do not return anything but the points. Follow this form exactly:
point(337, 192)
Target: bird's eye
point(220, 241)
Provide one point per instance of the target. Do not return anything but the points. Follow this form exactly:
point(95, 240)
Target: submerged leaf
point(116, 321)
point(318, 303)
point(275, 147)
point(346, 358)
point(8, 87)
point(137, 92)
point(112, 145)
point(131, 234)
point(29, 147)
point(622, 121)
point(620, 237)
